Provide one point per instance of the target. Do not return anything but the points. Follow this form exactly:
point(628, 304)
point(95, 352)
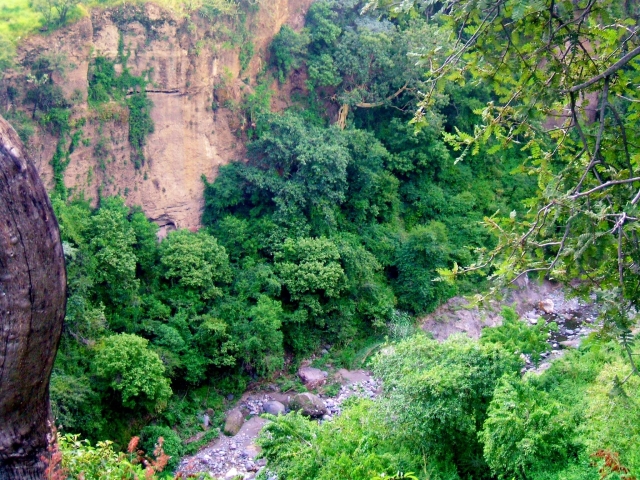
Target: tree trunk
point(32, 307)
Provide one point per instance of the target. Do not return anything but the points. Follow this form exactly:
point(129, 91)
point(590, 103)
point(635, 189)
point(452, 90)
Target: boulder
point(312, 377)
point(311, 405)
point(273, 407)
point(234, 422)
point(546, 305)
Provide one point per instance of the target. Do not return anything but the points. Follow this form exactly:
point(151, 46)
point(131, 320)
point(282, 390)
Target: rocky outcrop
point(197, 79)
point(33, 288)
point(546, 305)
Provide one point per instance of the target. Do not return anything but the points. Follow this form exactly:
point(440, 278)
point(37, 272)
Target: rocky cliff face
point(196, 81)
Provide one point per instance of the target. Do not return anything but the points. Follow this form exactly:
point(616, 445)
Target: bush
point(355, 445)
point(287, 50)
point(525, 431)
point(81, 460)
point(172, 444)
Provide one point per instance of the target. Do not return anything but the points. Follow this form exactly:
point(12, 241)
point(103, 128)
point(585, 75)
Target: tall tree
point(32, 307)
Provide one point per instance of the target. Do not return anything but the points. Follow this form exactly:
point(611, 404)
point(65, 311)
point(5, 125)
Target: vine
point(106, 85)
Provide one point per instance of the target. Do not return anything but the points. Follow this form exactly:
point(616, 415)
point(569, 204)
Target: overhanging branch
point(609, 71)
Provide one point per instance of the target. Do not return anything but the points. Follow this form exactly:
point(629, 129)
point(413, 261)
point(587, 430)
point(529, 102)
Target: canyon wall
point(197, 82)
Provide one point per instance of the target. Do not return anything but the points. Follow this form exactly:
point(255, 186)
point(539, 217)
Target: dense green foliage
point(323, 237)
point(460, 410)
point(575, 116)
point(338, 236)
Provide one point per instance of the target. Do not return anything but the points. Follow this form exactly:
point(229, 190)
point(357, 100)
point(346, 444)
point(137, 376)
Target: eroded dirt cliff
point(196, 82)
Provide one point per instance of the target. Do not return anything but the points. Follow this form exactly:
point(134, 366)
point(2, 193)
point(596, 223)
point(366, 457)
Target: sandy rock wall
point(189, 71)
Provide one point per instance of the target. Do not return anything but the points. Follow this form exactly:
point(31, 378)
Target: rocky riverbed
point(575, 319)
point(231, 457)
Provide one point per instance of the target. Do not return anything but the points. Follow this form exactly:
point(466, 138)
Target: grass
point(17, 20)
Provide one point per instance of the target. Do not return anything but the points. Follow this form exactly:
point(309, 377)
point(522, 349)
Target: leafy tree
point(421, 252)
point(146, 244)
point(562, 73)
point(49, 8)
point(195, 261)
point(211, 344)
point(76, 405)
point(372, 195)
point(364, 57)
point(111, 246)
point(309, 266)
point(259, 336)
point(127, 365)
point(303, 168)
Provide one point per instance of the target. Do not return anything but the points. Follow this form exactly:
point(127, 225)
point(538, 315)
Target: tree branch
point(609, 71)
point(604, 185)
point(379, 104)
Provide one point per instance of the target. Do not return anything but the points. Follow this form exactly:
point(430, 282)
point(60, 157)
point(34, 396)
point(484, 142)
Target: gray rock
point(312, 377)
point(546, 305)
point(206, 421)
point(311, 405)
point(234, 422)
point(273, 407)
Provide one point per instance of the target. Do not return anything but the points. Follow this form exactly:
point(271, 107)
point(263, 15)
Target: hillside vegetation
point(350, 217)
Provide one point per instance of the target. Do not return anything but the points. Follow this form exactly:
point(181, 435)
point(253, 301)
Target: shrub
point(172, 444)
point(102, 462)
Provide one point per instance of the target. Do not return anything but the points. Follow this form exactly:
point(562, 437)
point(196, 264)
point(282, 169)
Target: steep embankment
point(197, 76)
